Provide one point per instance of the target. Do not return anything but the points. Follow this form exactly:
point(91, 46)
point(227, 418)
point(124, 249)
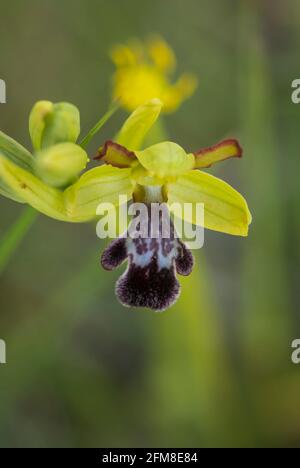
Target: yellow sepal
point(27, 188)
point(78, 203)
point(225, 210)
point(100, 185)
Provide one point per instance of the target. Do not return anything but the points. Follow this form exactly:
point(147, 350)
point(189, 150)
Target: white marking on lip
point(144, 259)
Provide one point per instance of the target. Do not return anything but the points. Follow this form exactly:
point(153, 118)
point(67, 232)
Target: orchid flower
point(165, 173)
point(49, 180)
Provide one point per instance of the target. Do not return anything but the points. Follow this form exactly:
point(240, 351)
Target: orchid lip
point(150, 279)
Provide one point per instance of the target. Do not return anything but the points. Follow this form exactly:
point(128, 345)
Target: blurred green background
point(215, 370)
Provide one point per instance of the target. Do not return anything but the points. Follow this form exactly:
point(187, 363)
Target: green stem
point(12, 239)
point(87, 139)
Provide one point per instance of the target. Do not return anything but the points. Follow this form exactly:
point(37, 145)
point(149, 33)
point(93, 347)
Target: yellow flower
point(143, 73)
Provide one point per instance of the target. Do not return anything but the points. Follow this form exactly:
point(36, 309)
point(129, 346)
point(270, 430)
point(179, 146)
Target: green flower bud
point(60, 165)
point(50, 124)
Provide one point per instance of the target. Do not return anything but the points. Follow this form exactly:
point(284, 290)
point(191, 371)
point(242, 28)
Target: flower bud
point(50, 124)
point(60, 165)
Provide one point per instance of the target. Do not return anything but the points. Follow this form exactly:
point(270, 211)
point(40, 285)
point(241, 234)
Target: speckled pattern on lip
point(150, 279)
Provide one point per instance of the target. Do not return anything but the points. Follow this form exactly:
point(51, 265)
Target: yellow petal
point(138, 125)
point(166, 160)
point(217, 153)
point(225, 209)
point(126, 55)
point(161, 54)
point(174, 95)
point(100, 185)
point(28, 188)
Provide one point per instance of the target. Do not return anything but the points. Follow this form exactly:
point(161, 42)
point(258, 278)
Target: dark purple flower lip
point(150, 279)
point(148, 286)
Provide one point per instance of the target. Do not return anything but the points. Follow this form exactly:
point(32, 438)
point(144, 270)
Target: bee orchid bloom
point(143, 72)
point(49, 180)
point(166, 173)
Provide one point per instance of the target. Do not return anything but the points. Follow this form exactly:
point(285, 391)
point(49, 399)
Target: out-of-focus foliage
point(216, 369)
